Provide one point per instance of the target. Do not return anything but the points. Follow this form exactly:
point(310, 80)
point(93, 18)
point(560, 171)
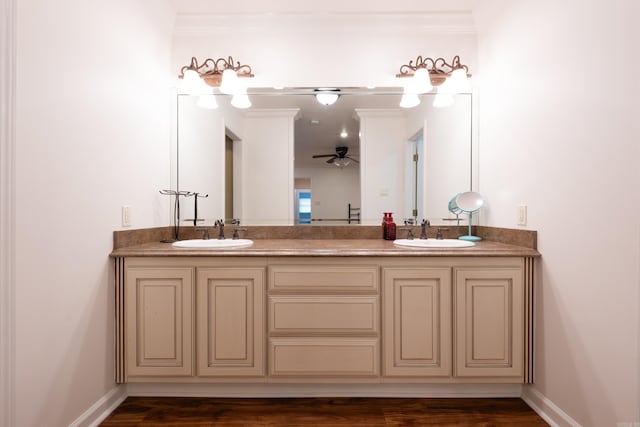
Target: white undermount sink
point(433, 243)
point(213, 243)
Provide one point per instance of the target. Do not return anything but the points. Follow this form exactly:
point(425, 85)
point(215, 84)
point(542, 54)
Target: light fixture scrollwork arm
point(211, 70)
point(439, 69)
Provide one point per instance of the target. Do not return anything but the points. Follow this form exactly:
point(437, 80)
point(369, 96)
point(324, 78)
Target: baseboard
point(325, 390)
point(100, 410)
point(547, 410)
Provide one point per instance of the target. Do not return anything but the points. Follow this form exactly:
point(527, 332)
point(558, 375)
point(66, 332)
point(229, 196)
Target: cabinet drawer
point(313, 357)
point(323, 314)
point(323, 278)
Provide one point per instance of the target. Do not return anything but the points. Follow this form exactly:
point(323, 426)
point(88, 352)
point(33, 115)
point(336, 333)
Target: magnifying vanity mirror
point(468, 202)
point(289, 159)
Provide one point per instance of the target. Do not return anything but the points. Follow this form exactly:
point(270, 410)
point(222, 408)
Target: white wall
point(92, 134)
point(383, 140)
point(315, 44)
point(266, 165)
point(446, 155)
point(201, 135)
point(559, 132)
point(331, 191)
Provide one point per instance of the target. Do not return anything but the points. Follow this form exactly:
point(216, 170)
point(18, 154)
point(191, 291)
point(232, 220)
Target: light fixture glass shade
point(241, 100)
point(207, 101)
point(326, 98)
point(192, 84)
point(420, 82)
point(458, 81)
point(341, 162)
point(409, 100)
point(230, 84)
point(443, 100)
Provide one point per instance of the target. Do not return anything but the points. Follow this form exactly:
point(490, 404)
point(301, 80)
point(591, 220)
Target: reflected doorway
point(415, 177)
point(302, 201)
point(228, 178)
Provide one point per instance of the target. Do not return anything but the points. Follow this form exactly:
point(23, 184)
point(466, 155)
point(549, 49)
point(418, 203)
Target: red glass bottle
point(388, 227)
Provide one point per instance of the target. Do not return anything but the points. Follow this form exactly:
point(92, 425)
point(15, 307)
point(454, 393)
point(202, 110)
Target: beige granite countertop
point(327, 247)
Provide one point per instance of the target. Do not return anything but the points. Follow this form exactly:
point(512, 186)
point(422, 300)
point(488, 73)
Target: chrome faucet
point(220, 225)
point(423, 228)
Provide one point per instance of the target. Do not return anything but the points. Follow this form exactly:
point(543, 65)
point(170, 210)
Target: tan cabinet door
point(158, 321)
point(489, 316)
point(230, 319)
point(416, 328)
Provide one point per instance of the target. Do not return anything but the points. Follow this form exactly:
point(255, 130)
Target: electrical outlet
point(522, 215)
point(126, 216)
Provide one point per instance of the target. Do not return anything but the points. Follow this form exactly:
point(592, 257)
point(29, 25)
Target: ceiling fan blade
point(331, 159)
point(323, 155)
point(351, 158)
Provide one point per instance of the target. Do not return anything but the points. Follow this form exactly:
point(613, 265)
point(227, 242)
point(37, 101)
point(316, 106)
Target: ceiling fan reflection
point(340, 157)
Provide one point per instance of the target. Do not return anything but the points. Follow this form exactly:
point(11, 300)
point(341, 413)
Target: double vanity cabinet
point(332, 316)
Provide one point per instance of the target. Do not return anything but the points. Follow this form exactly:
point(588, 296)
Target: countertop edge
point(326, 248)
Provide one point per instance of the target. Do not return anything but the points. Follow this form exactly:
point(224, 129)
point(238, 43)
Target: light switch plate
point(522, 215)
point(126, 216)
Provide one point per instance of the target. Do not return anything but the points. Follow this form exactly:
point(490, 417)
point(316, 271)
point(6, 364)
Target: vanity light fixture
point(426, 73)
point(327, 95)
point(222, 73)
point(207, 101)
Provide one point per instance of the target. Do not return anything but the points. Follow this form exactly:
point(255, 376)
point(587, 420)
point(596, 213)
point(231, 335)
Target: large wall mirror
point(289, 159)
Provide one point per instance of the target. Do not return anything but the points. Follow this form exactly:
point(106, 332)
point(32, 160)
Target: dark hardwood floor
point(197, 411)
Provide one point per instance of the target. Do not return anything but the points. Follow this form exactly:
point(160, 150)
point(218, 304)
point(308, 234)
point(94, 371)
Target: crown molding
point(405, 22)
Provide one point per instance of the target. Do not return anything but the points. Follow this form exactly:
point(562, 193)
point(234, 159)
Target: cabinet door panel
point(158, 321)
point(489, 322)
point(230, 321)
point(417, 321)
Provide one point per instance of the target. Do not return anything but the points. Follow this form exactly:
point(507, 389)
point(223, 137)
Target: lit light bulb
point(458, 82)
point(326, 98)
point(241, 100)
point(444, 98)
point(192, 84)
point(409, 100)
point(230, 84)
point(420, 82)
point(344, 134)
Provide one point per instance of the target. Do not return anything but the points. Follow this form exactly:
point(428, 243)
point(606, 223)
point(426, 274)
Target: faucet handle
point(205, 233)
point(439, 233)
point(235, 232)
point(409, 232)
point(235, 221)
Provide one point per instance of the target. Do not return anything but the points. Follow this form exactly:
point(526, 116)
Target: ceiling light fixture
point(327, 95)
